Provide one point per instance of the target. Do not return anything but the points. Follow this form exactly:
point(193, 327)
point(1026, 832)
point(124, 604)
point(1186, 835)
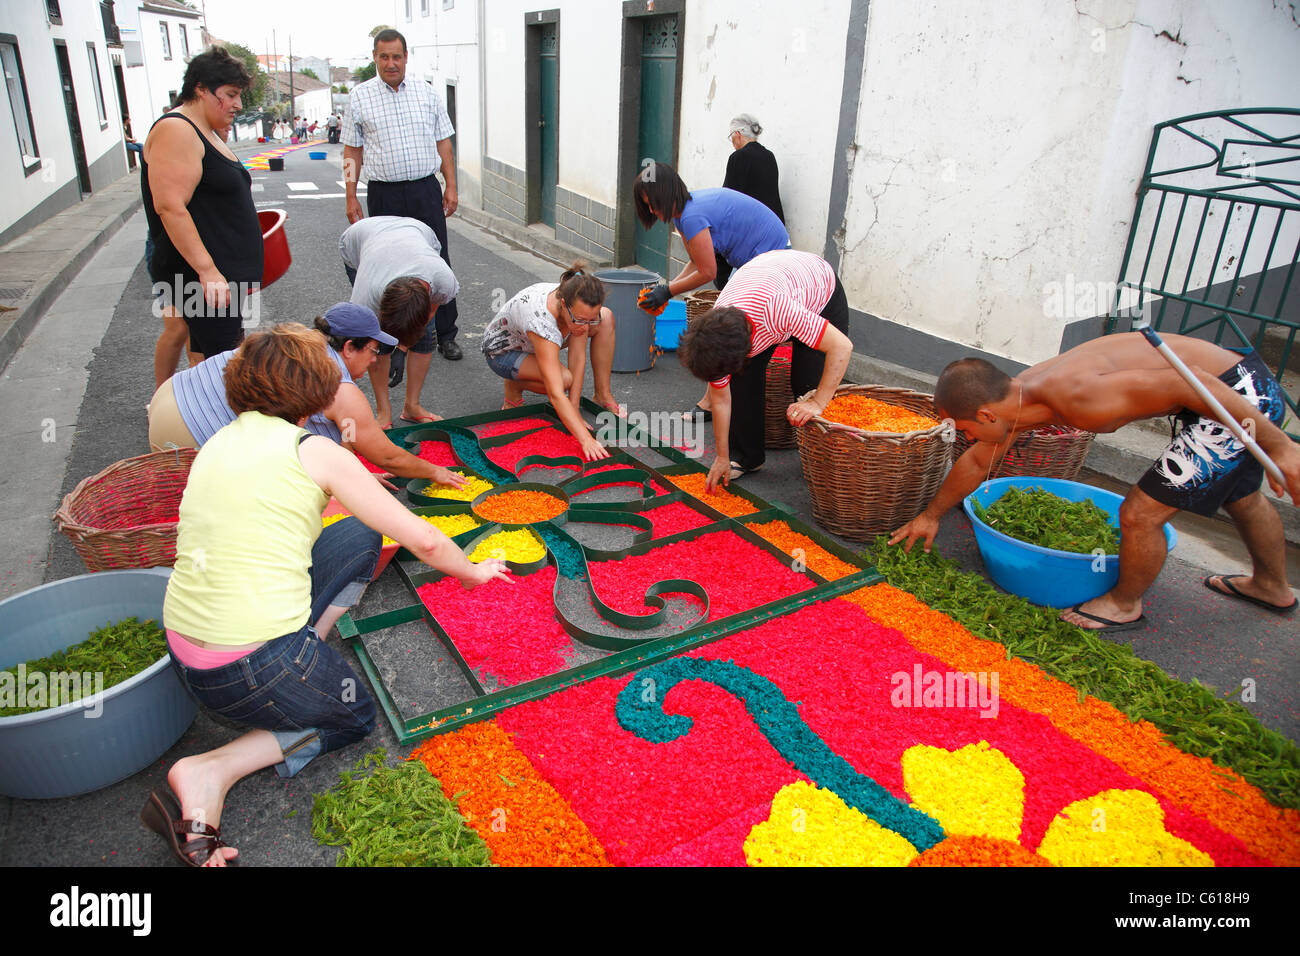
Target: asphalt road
point(1191, 635)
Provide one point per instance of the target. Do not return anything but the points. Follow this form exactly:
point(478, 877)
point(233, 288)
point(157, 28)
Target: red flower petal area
point(370, 466)
point(687, 799)
point(551, 443)
point(710, 560)
point(673, 519)
point(438, 453)
point(506, 630)
point(492, 429)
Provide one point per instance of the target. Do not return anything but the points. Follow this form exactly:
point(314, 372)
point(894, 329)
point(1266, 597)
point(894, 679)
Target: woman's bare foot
point(609, 403)
point(198, 785)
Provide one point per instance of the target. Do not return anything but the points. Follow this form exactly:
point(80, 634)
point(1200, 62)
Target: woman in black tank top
point(199, 203)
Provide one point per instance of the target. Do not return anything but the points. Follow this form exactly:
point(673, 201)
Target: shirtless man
point(1102, 385)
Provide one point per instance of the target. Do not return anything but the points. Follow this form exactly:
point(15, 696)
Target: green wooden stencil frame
point(627, 653)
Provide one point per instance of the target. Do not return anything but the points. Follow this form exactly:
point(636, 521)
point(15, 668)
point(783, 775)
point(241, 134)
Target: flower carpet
point(684, 683)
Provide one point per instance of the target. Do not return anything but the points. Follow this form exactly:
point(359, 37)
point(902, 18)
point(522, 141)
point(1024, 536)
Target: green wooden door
point(549, 81)
point(657, 125)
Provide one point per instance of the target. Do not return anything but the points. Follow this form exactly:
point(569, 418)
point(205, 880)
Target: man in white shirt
point(400, 130)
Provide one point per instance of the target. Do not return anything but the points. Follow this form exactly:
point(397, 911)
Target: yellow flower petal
point(1117, 828)
point(974, 791)
point(809, 826)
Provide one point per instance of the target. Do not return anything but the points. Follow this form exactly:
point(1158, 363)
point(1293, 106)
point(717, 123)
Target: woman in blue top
point(712, 223)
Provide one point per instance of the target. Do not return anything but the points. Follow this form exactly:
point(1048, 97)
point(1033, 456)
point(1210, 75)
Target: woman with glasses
point(191, 406)
point(522, 344)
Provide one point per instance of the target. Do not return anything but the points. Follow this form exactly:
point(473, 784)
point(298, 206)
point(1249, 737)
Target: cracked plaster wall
point(999, 146)
point(782, 64)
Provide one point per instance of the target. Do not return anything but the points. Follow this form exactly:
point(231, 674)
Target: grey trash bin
point(635, 342)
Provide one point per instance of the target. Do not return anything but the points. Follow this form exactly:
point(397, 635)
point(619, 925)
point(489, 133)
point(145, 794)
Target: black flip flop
point(1227, 579)
point(1107, 625)
point(704, 414)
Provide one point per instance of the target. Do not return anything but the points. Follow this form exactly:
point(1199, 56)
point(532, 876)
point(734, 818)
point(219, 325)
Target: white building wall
point(55, 182)
point(786, 68)
point(443, 49)
point(149, 83)
point(999, 147)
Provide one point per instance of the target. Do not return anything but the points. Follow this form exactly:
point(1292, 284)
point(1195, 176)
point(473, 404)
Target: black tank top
point(223, 213)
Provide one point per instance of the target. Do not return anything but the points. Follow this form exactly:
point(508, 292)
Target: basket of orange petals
point(873, 459)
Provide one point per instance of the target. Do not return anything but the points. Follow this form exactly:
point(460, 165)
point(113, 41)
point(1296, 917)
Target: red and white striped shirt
point(781, 293)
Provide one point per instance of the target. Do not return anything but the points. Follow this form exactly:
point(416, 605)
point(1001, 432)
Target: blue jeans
point(297, 686)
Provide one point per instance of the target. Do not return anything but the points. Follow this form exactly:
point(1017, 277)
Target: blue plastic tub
point(98, 741)
point(670, 325)
point(316, 154)
point(1043, 575)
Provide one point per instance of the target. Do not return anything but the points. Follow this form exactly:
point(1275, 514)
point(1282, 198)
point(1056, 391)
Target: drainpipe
point(482, 92)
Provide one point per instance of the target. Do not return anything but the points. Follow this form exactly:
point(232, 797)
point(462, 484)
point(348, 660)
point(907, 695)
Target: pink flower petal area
point(551, 443)
point(508, 631)
point(687, 799)
point(438, 453)
point(710, 560)
point(492, 429)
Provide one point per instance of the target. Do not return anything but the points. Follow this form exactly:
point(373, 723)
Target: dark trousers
point(749, 386)
point(723, 273)
point(418, 199)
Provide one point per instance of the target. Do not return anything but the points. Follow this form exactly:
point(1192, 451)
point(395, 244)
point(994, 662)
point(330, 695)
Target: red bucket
point(275, 245)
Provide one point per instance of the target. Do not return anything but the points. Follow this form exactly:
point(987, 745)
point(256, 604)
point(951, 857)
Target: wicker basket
point(1047, 452)
point(863, 484)
point(777, 430)
point(697, 303)
point(125, 516)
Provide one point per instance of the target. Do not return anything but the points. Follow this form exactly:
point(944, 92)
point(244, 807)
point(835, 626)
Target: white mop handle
point(1215, 405)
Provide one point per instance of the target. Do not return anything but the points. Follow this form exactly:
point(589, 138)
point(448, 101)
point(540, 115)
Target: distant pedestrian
point(402, 130)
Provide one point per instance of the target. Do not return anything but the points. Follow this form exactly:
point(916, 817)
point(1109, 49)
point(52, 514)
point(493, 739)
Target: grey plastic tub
point(634, 346)
point(105, 738)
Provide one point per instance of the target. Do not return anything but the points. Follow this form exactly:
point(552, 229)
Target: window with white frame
point(424, 8)
point(408, 11)
point(96, 85)
point(16, 87)
point(185, 40)
point(166, 40)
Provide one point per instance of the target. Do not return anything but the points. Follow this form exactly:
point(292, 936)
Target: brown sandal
point(162, 815)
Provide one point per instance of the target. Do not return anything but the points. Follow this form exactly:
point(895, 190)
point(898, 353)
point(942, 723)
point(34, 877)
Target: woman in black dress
point(198, 199)
point(751, 169)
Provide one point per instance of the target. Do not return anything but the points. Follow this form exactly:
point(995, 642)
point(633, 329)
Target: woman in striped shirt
point(773, 298)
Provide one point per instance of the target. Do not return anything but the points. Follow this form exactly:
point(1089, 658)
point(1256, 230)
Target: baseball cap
point(351, 321)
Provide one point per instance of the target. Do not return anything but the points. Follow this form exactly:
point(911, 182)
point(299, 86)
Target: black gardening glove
point(654, 299)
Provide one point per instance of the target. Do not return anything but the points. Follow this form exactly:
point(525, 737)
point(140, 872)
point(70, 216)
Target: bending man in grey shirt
point(396, 269)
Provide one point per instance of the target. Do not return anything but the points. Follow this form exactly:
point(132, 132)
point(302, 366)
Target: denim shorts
point(506, 364)
point(297, 686)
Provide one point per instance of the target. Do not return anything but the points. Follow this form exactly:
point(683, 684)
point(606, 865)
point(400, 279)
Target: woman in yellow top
point(257, 584)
